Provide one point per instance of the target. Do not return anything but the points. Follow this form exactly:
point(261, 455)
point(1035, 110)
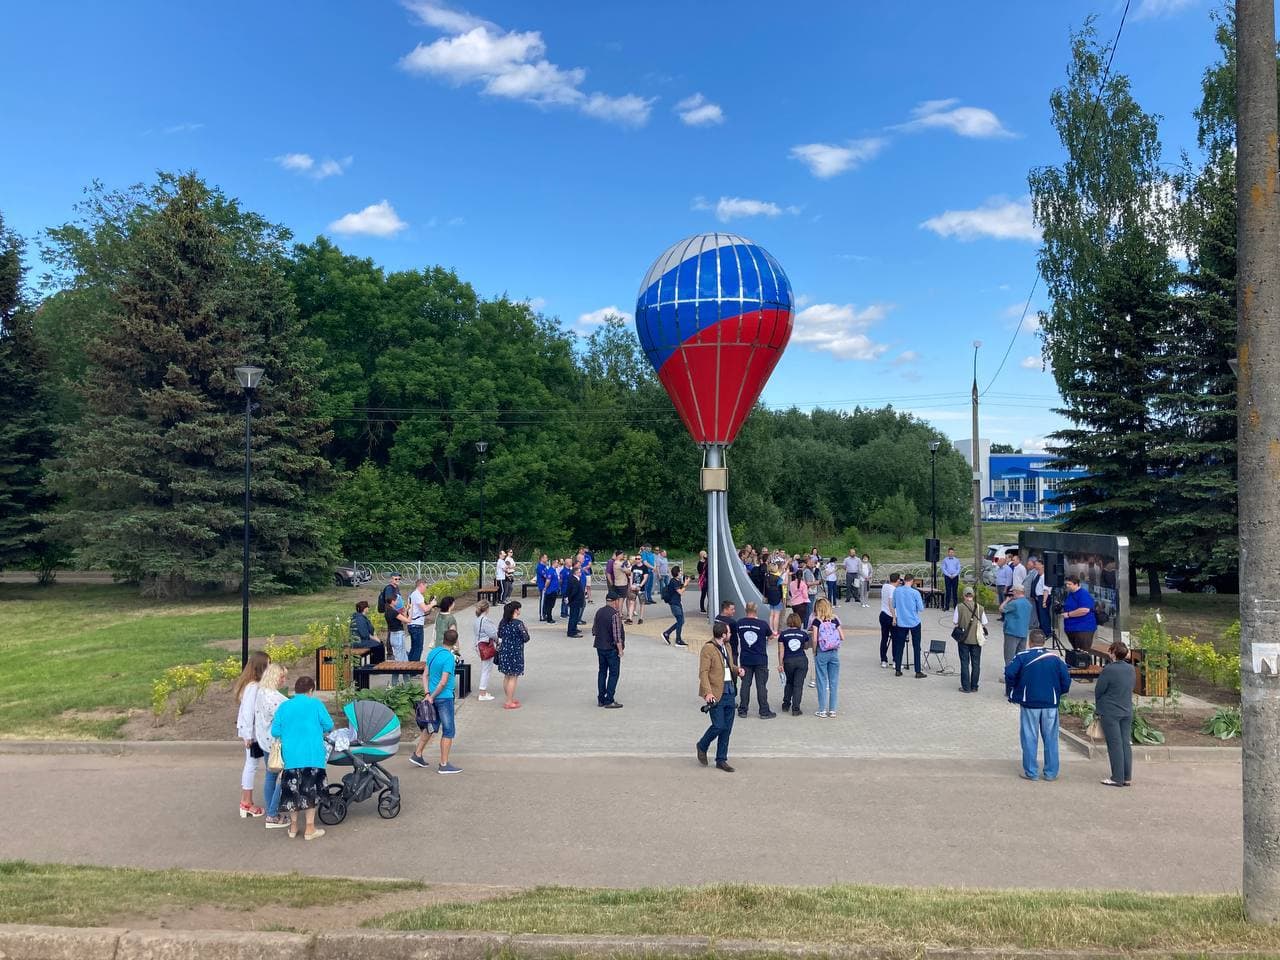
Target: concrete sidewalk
point(632, 822)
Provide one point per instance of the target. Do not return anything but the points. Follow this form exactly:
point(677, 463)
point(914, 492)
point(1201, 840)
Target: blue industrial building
point(1024, 487)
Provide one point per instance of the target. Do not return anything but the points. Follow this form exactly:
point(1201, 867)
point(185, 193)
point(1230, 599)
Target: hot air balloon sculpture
point(713, 316)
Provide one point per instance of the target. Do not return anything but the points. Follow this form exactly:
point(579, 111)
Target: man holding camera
point(718, 673)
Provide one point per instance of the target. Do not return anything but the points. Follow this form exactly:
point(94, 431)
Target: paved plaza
point(914, 783)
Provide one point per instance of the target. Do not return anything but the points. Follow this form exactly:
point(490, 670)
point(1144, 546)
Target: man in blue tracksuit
point(1037, 679)
point(566, 574)
point(544, 569)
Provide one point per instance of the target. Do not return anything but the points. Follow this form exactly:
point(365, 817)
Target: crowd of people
point(799, 616)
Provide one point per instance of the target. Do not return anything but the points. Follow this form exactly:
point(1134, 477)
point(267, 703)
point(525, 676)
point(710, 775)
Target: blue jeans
point(827, 665)
point(1037, 725)
point(721, 716)
point(397, 653)
point(271, 792)
point(610, 663)
point(677, 611)
point(445, 713)
point(415, 641)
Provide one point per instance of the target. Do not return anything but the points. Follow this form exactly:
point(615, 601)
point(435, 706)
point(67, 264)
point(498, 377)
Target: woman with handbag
point(486, 644)
point(246, 694)
point(969, 633)
point(300, 725)
point(1113, 706)
point(512, 636)
point(269, 700)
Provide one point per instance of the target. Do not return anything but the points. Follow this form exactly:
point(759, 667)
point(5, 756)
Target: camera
point(706, 707)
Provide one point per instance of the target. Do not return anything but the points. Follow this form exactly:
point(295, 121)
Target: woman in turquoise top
point(300, 725)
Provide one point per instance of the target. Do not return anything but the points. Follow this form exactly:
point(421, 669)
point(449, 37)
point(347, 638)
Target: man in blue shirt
point(950, 579)
point(907, 606)
point(1004, 580)
point(1018, 614)
point(649, 559)
point(753, 652)
point(1037, 679)
point(566, 574)
point(540, 576)
point(437, 682)
point(550, 592)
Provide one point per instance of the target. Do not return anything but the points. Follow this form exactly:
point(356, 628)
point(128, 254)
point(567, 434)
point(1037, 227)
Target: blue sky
point(552, 150)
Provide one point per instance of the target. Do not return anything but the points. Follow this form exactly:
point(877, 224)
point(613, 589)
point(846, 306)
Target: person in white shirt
point(852, 576)
point(511, 574)
point(419, 607)
point(829, 577)
point(1018, 573)
point(865, 573)
point(500, 573)
point(886, 617)
point(950, 579)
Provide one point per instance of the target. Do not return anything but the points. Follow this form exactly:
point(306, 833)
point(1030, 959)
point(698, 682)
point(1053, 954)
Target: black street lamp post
point(481, 447)
point(933, 504)
point(248, 377)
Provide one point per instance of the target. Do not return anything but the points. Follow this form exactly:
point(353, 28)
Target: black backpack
point(670, 594)
point(382, 601)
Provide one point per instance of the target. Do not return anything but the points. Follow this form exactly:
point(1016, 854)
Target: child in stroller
point(373, 736)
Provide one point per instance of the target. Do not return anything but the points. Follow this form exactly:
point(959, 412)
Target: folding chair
point(938, 651)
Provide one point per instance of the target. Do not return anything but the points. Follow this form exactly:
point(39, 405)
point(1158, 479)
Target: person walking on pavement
point(1018, 615)
point(970, 622)
point(753, 657)
point(1113, 704)
point(827, 636)
point(718, 673)
point(437, 686)
point(1036, 680)
point(950, 579)
point(577, 597)
point(609, 640)
point(907, 607)
point(673, 593)
point(793, 664)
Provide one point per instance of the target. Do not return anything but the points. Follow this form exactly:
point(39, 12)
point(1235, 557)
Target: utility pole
point(1258, 449)
point(977, 480)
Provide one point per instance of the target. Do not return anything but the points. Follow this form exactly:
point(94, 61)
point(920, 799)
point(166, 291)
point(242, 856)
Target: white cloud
point(840, 329)
point(1033, 445)
point(1032, 363)
point(376, 220)
point(698, 111)
point(594, 318)
point(511, 64)
point(966, 121)
point(442, 18)
point(905, 357)
point(1030, 322)
point(733, 208)
point(536, 303)
point(1151, 9)
point(184, 128)
point(828, 159)
point(456, 221)
point(307, 164)
point(999, 218)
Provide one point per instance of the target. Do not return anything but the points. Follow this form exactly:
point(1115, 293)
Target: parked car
point(1191, 580)
point(351, 576)
point(999, 549)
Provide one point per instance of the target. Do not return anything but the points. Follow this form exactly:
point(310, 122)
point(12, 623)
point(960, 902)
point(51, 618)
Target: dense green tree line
point(377, 386)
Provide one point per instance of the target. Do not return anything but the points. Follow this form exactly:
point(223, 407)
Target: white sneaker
point(484, 697)
point(884, 664)
point(813, 683)
point(821, 715)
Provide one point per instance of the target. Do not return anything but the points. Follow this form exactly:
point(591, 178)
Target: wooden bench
point(526, 587)
point(487, 593)
point(391, 668)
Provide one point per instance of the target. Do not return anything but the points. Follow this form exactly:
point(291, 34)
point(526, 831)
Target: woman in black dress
point(702, 581)
point(512, 636)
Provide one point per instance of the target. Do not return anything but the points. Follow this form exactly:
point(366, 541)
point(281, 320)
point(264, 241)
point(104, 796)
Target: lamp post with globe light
point(482, 447)
point(933, 506)
point(249, 378)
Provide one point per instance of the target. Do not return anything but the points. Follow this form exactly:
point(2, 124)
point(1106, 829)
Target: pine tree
point(26, 435)
point(152, 474)
point(1105, 261)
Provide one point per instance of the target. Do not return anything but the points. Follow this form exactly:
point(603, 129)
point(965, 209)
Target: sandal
point(250, 810)
point(511, 706)
point(293, 832)
point(315, 834)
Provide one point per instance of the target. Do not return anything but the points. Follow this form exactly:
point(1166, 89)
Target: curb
point(120, 748)
point(1155, 753)
point(22, 942)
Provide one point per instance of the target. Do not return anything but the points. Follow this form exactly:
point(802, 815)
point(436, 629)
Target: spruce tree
point(26, 435)
point(152, 474)
point(1105, 261)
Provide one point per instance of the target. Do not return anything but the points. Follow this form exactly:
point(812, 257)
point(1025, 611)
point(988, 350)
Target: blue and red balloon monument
point(713, 315)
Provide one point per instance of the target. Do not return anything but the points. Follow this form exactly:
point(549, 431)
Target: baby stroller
point(373, 736)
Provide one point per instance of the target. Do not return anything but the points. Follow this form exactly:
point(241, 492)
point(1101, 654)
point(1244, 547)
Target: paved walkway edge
point(21, 942)
point(1154, 752)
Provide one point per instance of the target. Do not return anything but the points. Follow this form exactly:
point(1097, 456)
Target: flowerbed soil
point(1181, 728)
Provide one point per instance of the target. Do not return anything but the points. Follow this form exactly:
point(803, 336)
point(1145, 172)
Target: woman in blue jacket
point(300, 725)
point(1078, 619)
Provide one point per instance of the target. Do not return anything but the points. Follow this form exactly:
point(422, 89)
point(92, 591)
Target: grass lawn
point(873, 916)
point(55, 895)
point(1202, 616)
point(98, 647)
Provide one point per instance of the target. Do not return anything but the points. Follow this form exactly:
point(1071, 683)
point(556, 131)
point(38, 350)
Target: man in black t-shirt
point(387, 604)
point(753, 658)
point(727, 611)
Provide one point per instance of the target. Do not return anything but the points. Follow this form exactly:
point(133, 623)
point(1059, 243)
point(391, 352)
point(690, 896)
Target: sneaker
point(485, 697)
point(920, 676)
point(640, 621)
point(897, 673)
point(449, 768)
point(702, 757)
point(742, 714)
point(613, 706)
point(681, 643)
point(814, 684)
point(275, 823)
point(768, 716)
point(884, 664)
point(822, 714)
point(796, 712)
point(667, 637)
point(418, 761)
